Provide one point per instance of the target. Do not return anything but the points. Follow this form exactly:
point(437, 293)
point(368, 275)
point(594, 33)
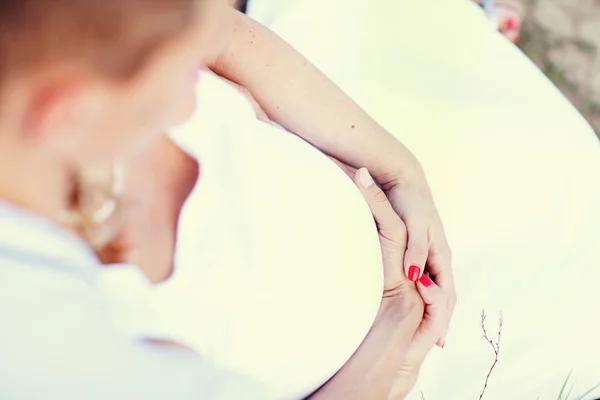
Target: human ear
point(62, 116)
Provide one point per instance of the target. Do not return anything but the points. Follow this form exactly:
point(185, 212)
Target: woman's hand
point(393, 238)
point(506, 15)
point(509, 15)
point(430, 329)
point(372, 370)
point(427, 245)
point(261, 115)
point(392, 234)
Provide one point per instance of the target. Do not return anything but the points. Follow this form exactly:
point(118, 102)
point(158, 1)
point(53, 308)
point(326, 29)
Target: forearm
point(371, 371)
point(299, 97)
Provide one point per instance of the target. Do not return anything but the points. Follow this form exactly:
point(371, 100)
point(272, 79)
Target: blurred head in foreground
point(84, 83)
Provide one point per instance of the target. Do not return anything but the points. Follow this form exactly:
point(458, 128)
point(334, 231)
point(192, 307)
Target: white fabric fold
point(515, 172)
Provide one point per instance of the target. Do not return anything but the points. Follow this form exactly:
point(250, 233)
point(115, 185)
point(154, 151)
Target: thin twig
point(495, 347)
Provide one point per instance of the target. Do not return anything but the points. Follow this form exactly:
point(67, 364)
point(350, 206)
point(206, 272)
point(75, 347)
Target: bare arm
point(371, 371)
point(295, 94)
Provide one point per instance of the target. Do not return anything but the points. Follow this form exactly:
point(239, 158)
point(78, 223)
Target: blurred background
point(563, 38)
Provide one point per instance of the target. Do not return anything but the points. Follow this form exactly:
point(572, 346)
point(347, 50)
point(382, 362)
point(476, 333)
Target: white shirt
point(56, 341)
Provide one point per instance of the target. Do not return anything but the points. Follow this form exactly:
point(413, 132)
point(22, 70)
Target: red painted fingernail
point(413, 273)
point(443, 344)
point(511, 24)
point(426, 281)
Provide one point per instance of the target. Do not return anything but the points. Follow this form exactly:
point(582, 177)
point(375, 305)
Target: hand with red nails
point(509, 15)
point(393, 237)
point(427, 244)
point(432, 326)
point(392, 234)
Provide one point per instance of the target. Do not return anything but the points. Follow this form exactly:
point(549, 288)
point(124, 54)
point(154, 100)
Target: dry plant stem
point(495, 346)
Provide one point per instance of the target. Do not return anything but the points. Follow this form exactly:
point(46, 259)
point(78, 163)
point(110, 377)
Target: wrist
point(410, 172)
point(404, 311)
point(405, 381)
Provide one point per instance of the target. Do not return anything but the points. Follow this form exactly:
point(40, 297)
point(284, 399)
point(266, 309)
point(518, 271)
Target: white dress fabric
point(278, 272)
point(272, 226)
point(514, 168)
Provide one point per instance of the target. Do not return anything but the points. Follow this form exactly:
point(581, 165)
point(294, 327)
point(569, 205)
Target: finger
point(343, 167)
point(261, 114)
point(258, 110)
point(451, 303)
point(439, 264)
point(388, 222)
point(510, 27)
point(391, 229)
point(510, 24)
point(433, 295)
point(512, 35)
point(436, 306)
point(417, 250)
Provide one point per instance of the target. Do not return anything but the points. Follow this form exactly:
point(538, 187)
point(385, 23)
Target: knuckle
point(379, 196)
point(392, 244)
point(394, 233)
point(443, 252)
point(399, 229)
point(418, 250)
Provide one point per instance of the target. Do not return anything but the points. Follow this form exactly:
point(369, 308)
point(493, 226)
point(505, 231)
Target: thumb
point(391, 229)
point(388, 222)
point(417, 249)
point(436, 304)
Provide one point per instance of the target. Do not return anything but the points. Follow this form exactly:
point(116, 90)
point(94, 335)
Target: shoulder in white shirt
point(57, 341)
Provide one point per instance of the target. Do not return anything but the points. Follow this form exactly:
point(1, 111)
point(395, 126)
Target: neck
point(33, 181)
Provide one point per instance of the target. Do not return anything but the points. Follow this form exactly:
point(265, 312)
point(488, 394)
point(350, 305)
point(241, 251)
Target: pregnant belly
point(278, 269)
